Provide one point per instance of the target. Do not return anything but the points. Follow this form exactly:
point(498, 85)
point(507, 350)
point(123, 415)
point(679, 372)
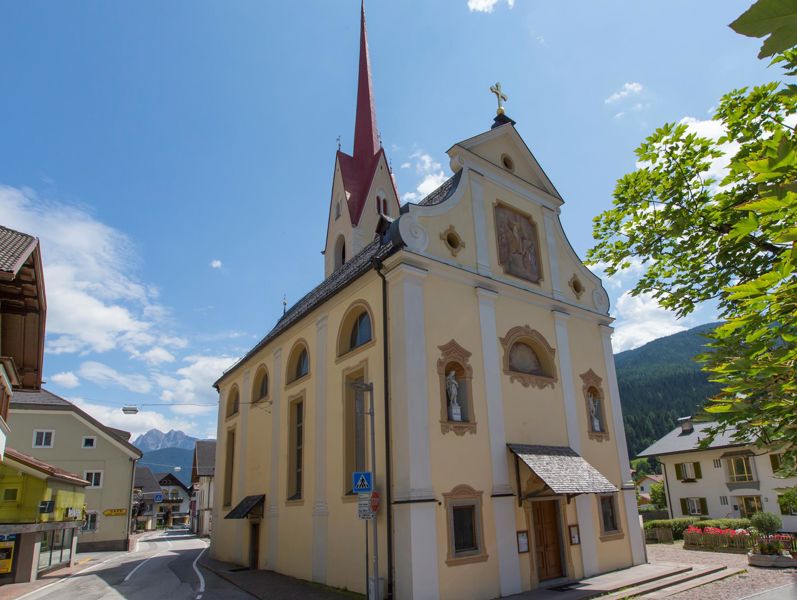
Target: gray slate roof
point(205, 458)
point(15, 247)
point(676, 442)
point(562, 469)
point(42, 399)
point(444, 192)
point(357, 266)
point(146, 482)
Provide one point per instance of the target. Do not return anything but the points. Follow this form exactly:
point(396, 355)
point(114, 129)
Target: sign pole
point(367, 576)
point(373, 469)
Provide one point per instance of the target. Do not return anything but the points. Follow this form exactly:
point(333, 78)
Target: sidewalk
point(268, 585)
point(84, 561)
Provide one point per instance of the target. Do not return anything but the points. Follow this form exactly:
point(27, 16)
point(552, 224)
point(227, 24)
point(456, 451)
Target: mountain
point(660, 382)
point(165, 459)
point(155, 439)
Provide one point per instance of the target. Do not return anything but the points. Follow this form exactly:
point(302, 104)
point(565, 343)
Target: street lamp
point(361, 386)
point(130, 409)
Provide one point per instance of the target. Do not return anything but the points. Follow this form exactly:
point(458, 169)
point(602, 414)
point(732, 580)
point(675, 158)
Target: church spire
point(366, 136)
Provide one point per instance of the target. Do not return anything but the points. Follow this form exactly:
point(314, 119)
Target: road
point(164, 567)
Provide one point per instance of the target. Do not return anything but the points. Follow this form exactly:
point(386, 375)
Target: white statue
point(594, 413)
point(452, 391)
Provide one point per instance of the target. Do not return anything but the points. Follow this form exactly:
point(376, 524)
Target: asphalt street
point(164, 567)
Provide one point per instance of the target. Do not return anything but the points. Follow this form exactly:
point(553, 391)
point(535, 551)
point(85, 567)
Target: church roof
point(360, 263)
point(15, 247)
point(444, 192)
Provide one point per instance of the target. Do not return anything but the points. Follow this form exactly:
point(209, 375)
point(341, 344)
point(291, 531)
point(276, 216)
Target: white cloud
point(193, 383)
point(486, 5)
point(215, 264)
point(67, 379)
point(628, 89)
point(104, 375)
point(431, 173)
point(94, 301)
point(112, 416)
point(640, 319)
point(155, 356)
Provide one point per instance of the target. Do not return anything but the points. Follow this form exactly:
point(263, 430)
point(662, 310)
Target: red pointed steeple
point(366, 140)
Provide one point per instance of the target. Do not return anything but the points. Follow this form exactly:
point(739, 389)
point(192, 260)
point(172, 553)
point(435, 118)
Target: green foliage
point(678, 526)
point(788, 500)
point(726, 523)
point(658, 496)
point(642, 467)
point(766, 522)
point(774, 18)
point(733, 241)
point(660, 382)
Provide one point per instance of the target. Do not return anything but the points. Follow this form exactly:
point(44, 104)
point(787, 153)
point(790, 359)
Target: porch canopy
point(562, 469)
point(246, 506)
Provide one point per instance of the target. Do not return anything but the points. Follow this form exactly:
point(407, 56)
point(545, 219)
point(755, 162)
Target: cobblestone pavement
point(732, 588)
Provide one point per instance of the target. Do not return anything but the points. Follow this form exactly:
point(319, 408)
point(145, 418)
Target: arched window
point(299, 362)
point(597, 428)
point(356, 328)
point(233, 402)
point(529, 358)
point(360, 331)
point(260, 388)
point(340, 252)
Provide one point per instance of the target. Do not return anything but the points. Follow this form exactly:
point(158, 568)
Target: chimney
point(686, 425)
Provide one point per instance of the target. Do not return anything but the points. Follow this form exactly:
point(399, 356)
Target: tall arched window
point(260, 388)
point(356, 328)
point(298, 365)
point(233, 402)
point(302, 364)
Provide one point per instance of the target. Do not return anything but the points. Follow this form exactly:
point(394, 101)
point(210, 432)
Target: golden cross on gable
point(500, 95)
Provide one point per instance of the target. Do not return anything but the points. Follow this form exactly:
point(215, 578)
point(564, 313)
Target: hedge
point(676, 525)
point(725, 523)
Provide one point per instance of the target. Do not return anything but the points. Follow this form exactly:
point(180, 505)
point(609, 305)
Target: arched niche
point(454, 371)
point(595, 404)
point(529, 358)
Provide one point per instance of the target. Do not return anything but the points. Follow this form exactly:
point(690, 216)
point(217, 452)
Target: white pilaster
point(320, 508)
point(631, 510)
point(503, 503)
point(584, 502)
point(415, 525)
point(479, 222)
point(551, 227)
point(272, 500)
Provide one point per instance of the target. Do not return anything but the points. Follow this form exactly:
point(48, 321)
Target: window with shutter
point(684, 507)
point(679, 472)
point(703, 506)
point(774, 461)
point(698, 471)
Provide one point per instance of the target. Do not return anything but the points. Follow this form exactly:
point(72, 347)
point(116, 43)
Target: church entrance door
point(547, 539)
point(254, 545)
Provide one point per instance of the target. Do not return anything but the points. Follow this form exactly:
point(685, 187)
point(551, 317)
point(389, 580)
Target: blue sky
point(176, 158)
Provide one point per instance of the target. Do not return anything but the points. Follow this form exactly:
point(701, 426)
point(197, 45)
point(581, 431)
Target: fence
point(730, 540)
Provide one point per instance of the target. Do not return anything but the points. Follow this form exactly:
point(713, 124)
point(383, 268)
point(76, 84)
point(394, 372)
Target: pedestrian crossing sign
point(361, 482)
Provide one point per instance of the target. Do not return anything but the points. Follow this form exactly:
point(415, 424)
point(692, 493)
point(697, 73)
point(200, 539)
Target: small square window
point(94, 478)
point(717, 463)
point(724, 500)
point(91, 522)
point(465, 538)
point(89, 442)
point(10, 494)
point(43, 438)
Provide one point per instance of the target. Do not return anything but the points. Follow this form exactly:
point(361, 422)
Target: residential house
point(56, 431)
point(470, 329)
point(174, 508)
point(202, 472)
point(727, 479)
point(41, 505)
point(147, 495)
point(643, 485)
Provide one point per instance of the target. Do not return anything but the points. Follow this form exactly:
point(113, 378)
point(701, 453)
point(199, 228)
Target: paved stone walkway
point(733, 588)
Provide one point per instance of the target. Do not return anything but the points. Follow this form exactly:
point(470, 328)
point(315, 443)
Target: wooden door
point(547, 540)
point(254, 545)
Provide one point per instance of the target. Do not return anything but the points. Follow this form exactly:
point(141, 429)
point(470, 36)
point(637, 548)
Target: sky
point(175, 158)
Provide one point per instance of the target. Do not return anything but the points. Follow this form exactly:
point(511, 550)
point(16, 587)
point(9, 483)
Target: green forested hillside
point(660, 382)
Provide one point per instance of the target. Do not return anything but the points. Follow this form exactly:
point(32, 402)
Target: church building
point(482, 343)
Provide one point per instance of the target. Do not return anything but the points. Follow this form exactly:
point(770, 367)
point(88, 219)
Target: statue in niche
point(452, 391)
point(595, 412)
point(518, 250)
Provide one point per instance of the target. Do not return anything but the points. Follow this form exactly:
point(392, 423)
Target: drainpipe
point(670, 507)
point(378, 266)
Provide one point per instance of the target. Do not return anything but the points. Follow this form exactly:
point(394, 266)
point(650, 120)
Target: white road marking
point(49, 585)
point(141, 564)
point(199, 574)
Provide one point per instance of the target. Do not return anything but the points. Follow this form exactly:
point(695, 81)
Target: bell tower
point(363, 191)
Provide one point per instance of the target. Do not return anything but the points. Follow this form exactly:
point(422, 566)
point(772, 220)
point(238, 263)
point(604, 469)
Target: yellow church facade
point(500, 453)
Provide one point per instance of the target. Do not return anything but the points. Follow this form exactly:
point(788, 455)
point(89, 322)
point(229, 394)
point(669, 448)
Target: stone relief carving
point(518, 243)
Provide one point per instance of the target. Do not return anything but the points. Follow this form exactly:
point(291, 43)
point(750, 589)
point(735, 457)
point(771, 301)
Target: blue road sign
point(158, 498)
point(362, 482)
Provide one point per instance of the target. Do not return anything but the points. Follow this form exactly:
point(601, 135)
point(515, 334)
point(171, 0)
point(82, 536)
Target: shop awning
point(562, 469)
point(247, 505)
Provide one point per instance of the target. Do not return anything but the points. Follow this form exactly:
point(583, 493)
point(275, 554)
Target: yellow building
point(41, 506)
point(500, 453)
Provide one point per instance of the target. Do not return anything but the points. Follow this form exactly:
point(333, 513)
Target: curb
point(225, 577)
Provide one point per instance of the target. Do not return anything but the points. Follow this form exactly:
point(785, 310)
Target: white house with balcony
point(729, 479)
